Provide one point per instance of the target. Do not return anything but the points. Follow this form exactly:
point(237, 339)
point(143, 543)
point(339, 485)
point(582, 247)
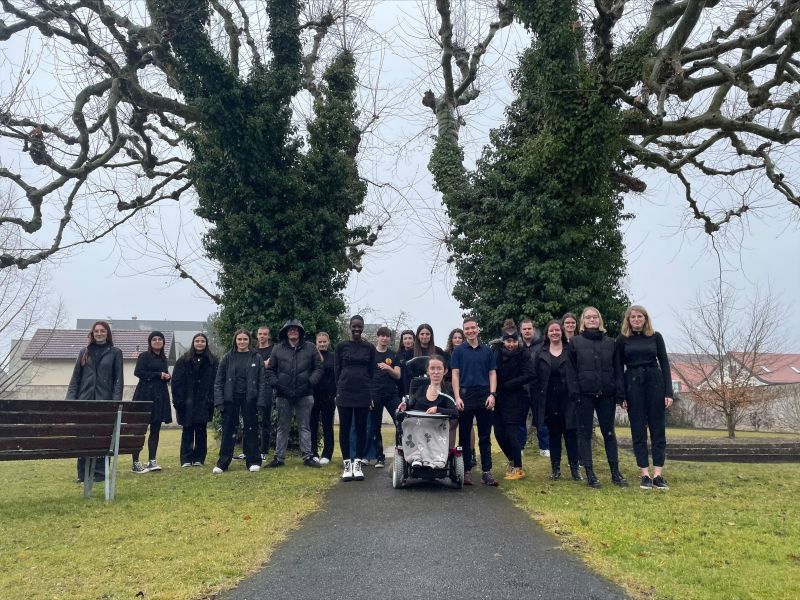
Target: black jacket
point(645, 352)
point(193, 389)
point(265, 354)
point(224, 382)
point(149, 368)
point(444, 402)
point(98, 380)
point(514, 371)
point(355, 366)
point(326, 386)
point(294, 371)
point(543, 371)
point(594, 366)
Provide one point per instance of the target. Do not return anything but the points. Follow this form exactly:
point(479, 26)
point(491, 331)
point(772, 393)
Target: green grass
point(723, 531)
point(177, 534)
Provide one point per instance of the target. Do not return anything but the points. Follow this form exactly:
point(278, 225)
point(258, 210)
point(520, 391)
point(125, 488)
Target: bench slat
point(7, 455)
point(72, 405)
point(87, 418)
point(96, 443)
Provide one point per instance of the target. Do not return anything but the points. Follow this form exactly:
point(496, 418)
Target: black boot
point(556, 472)
point(575, 471)
point(617, 477)
point(591, 478)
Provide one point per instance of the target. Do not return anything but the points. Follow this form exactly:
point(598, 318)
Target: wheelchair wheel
point(398, 471)
point(457, 476)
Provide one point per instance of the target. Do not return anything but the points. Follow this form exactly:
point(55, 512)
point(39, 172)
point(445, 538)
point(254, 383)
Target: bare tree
point(726, 343)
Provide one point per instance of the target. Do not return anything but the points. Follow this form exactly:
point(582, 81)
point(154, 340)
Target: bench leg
point(88, 477)
point(108, 482)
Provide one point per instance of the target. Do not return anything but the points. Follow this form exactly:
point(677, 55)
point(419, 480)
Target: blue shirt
point(473, 364)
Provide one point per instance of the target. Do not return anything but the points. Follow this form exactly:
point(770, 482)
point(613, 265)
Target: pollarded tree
point(171, 97)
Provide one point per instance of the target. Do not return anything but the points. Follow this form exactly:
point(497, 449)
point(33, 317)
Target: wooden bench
point(42, 429)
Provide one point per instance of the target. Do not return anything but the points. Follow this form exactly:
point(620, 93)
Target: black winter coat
point(514, 371)
point(151, 387)
point(224, 382)
point(193, 389)
point(594, 366)
point(100, 380)
point(326, 386)
point(355, 366)
point(543, 370)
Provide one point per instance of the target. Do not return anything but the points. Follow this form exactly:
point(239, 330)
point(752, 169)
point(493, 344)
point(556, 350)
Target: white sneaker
point(417, 463)
point(263, 457)
point(217, 471)
point(184, 465)
point(545, 453)
point(315, 459)
point(358, 473)
point(153, 466)
point(254, 468)
point(347, 474)
point(324, 461)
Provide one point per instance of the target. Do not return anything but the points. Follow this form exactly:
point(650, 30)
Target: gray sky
point(668, 262)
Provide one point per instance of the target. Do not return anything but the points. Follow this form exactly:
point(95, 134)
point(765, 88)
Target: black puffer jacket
point(193, 388)
point(543, 363)
point(99, 379)
point(224, 382)
point(514, 371)
point(326, 387)
point(294, 371)
point(151, 387)
point(593, 361)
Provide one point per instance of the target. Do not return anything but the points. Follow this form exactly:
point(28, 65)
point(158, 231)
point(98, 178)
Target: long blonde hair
point(602, 326)
point(626, 325)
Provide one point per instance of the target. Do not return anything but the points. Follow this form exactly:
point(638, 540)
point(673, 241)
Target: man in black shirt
point(384, 390)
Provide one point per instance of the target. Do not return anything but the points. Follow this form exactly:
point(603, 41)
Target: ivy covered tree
point(197, 96)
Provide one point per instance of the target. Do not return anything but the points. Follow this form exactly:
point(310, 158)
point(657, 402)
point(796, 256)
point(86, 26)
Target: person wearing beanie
point(153, 373)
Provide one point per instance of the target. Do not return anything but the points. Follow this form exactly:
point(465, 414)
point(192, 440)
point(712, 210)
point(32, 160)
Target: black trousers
point(646, 410)
point(152, 442)
point(194, 443)
point(476, 398)
point(99, 468)
point(323, 410)
point(605, 407)
point(230, 421)
point(506, 430)
point(558, 430)
point(390, 403)
point(347, 415)
point(265, 416)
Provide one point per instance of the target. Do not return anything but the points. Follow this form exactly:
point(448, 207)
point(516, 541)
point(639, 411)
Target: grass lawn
point(177, 534)
point(723, 531)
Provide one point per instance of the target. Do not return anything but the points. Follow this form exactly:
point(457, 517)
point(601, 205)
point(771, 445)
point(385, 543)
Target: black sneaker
point(309, 462)
point(380, 463)
point(647, 483)
point(274, 463)
point(488, 479)
point(660, 483)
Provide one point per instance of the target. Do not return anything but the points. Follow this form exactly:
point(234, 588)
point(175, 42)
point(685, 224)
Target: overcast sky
point(668, 263)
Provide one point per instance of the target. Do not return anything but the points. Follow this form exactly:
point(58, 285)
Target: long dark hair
point(247, 333)
point(400, 347)
point(418, 346)
point(109, 340)
point(188, 356)
point(449, 348)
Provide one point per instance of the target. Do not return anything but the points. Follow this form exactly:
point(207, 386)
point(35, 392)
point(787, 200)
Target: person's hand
point(402, 407)
point(459, 404)
point(372, 404)
point(625, 405)
point(266, 363)
point(384, 367)
point(165, 376)
point(490, 402)
point(667, 402)
point(432, 410)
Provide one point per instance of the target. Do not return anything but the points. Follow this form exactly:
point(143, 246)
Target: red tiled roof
point(691, 369)
point(775, 368)
point(67, 343)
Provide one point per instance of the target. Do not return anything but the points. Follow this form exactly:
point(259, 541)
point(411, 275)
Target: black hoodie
point(294, 371)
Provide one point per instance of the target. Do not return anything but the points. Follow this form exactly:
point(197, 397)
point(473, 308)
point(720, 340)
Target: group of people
point(564, 377)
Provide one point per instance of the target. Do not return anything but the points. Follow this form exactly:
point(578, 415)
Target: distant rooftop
point(143, 325)
point(67, 343)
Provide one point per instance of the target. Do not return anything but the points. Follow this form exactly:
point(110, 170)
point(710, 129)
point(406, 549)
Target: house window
point(676, 386)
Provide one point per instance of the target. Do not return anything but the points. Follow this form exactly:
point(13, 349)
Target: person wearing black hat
point(151, 369)
point(514, 371)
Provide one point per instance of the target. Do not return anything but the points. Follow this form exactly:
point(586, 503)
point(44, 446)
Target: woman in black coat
point(193, 396)
point(551, 394)
point(596, 384)
point(97, 376)
point(153, 373)
point(648, 391)
point(324, 402)
point(514, 371)
point(355, 362)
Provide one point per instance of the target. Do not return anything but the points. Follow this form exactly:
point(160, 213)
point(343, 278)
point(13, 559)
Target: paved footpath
point(425, 541)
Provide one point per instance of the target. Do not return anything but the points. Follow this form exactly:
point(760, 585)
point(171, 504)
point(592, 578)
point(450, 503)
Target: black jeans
point(99, 468)
point(390, 403)
point(605, 408)
point(152, 442)
point(230, 421)
point(348, 414)
point(506, 430)
point(475, 410)
point(646, 410)
point(558, 429)
point(323, 410)
point(265, 416)
point(194, 443)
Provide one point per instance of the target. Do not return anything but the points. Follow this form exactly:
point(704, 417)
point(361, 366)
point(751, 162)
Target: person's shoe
point(197, 463)
point(217, 471)
point(137, 468)
point(467, 477)
point(254, 468)
point(380, 463)
point(509, 467)
point(647, 483)
point(616, 477)
point(310, 462)
point(555, 474)
point(487, 479)
point(186, 464)
point(153, 466)
point(513, 475)
point(358, 472)
point(324, 461)
point(263, 458)
point(660, 483)
point(575, 471)
point(347, 474)
point(591, 479)
point(545, 453)
point(275, 463)
point(241, 456)
point(416, 463)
